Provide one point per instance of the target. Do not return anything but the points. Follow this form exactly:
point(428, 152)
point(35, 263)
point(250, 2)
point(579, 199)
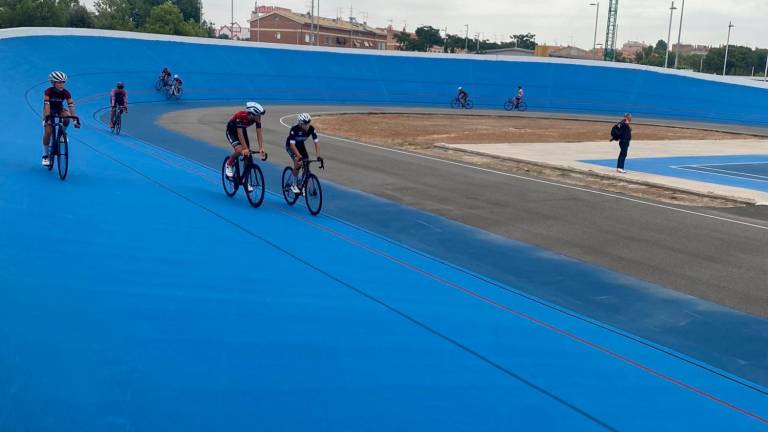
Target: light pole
point(669, 34)
point(766, 68)
point(597, 15)
point(727, 44)
point(466, 38)
point(679, 32)
point(477, 38)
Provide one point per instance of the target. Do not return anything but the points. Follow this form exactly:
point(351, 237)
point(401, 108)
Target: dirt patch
point(419, 133)
point(422, 131)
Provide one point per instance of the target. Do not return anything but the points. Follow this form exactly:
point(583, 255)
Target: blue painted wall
point(269, 74)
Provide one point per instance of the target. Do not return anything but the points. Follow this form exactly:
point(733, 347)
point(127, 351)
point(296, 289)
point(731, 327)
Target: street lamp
point(597, 14)
point(466, 38)
point(679, 32)
point(727, 44)
point(669, 34)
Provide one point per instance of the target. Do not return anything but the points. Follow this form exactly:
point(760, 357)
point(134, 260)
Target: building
point(517, 52)
point(544, 50)
point(572, 53)
point(234, 32)
point(631, 48)
point(285, 26)
point(687, 49)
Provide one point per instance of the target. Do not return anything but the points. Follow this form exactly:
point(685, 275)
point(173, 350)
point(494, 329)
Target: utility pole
point(477, 38)
point(597, 15)
point(669, 35)
point(466, 38)
point(317, 27)
point(766, 67)
point(679, 32)
point(727, 44)
point(232, 20)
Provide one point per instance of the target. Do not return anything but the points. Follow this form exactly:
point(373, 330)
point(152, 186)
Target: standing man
point(622, 132)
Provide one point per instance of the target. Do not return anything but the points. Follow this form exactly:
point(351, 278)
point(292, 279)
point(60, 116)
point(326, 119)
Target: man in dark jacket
point(625, 136)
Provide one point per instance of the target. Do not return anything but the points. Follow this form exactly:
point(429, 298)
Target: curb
point(734, 199)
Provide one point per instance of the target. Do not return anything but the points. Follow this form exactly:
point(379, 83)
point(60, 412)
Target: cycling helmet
point(460, 89)
point(120, 85)
point(175, 77)
point(255, 108)
point(304, 118)
point(57, 76)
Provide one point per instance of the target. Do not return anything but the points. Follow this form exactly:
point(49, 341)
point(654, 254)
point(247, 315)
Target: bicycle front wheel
point(313, 195)
point(455, 104)
point(230, 185)
point(62, 158)
point(469, 105)
point(290, 197)
point(254, 185)
point(118, 123)
point(509, 105)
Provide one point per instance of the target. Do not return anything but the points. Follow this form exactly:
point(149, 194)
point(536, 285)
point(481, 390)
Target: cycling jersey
point(178, 82)
point(56, 99)
point(520, 94)
point(118, 97)
point(297, 136)
point(462, 94)
point(241, 120)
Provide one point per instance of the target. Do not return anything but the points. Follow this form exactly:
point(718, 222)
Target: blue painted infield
point(745, 171)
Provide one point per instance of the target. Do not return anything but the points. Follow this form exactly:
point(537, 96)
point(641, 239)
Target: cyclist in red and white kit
point(237, 135)
point(519, 96)
point(53, 104)
point(118, 98)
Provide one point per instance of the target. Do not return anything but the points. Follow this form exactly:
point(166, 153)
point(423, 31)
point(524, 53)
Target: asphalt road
point(722, 258)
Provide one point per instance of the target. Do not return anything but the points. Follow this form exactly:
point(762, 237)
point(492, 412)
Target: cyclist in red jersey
point(165, 76)
point(238, 136)
point(53, 104)
point(118, 98)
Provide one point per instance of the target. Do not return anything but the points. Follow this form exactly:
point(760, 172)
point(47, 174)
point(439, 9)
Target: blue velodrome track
point(135, 297)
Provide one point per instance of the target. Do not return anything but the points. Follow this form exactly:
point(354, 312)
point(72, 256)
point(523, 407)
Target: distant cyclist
point(462, 96)
point(296, 148)
point(118, 98)
point(175, 85)
point(237, 135)
point(53, 104)
point(519, 97)
point(165, 76)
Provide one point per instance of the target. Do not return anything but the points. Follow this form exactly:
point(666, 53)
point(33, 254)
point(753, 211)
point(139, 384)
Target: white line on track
point(738, 222)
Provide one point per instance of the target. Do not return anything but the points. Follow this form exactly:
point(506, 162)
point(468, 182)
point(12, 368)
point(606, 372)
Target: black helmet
point(120, 85)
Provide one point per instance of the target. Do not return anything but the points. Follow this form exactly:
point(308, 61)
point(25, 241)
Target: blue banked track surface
point(134, 296)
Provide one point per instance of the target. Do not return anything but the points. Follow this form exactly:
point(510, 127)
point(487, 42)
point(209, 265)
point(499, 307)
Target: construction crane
point(609, 49)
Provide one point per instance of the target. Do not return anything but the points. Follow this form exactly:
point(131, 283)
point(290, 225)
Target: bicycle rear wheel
point(254, 185)
point(230, 185)
point(469, 105)
point(118, 122)
point(159, 84)
point(509, 105)
point(62, 158)
point(313, 195)
point(523, 106)
point(287, 181)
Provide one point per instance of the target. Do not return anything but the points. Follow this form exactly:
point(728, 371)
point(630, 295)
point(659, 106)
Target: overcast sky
point(553, 21)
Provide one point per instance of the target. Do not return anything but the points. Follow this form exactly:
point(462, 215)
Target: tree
point(168, 19)
point(525, 41)
point(114, 14)
point(80, 17)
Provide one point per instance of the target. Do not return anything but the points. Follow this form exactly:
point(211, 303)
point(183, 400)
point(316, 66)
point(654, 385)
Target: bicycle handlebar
point(52, 116)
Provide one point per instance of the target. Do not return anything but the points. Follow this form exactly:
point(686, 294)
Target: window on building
point(306, 37)
point(382, 45)
point(277, 35)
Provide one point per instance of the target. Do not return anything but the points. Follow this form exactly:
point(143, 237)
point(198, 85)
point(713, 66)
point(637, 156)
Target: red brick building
point(284, 26)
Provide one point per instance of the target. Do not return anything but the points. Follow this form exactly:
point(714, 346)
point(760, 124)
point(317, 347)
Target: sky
point(560, 22)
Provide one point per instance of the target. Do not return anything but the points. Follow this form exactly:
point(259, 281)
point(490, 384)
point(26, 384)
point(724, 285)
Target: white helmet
point(57, 76)
point(460, 88)
point(175, 76)
point(304, 118)
point(255, 108)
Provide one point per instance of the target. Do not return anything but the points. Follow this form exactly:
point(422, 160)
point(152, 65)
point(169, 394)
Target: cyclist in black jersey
point(296, 148)
point(53, 104)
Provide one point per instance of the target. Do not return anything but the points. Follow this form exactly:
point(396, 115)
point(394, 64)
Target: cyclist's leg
point(237, 147)
point(112, 117)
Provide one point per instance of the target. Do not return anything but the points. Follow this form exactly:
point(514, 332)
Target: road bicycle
point(308, 184)
point(248, 175)
point(173, 91)
point(58, 146)
point(117, 120)
point(511, 104)
point(161, 83)
point(457, 103)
